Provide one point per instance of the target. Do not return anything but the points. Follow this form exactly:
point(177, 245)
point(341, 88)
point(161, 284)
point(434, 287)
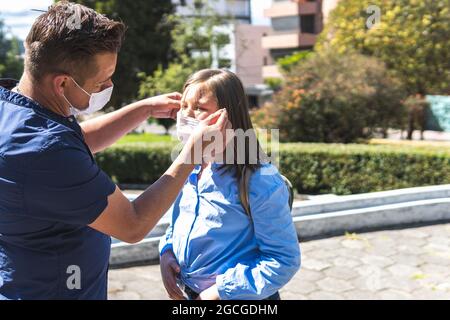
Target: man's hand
point(164, 106)
point(209, 294)
point(169, 271)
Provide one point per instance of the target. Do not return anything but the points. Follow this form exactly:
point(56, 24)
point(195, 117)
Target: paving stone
point(308, 275)
point(372, 283)
point(399, 283)
point(385, 251)
point(314, 264)
point(408, 259)
point(392, 294)
point(354, 244)
point(414, 233)
point(430, 295)
point(334, 285)
point(377, 260)
point(115, 286)
point(301, 287)
point(346, 262)
point(403, 270)
point(323, 295)
point(125, 295)
point(289, 295)
point(359, 294)
point(341, 273)
point(394, 264)
point(409, 250)
point(435, 258)
point(428, 268)
point(322, 254)
point(370, 269)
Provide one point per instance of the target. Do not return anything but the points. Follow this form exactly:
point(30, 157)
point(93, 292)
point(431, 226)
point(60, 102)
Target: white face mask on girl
point(97, 100)
point(185, 126)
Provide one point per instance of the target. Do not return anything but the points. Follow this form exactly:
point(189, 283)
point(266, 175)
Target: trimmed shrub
point(334, 98)
point(349, 169)
point(136, 162)
point(312, 168)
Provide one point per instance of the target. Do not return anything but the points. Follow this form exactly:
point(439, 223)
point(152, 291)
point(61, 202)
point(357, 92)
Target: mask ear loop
point(74, 111)
point(80, 86)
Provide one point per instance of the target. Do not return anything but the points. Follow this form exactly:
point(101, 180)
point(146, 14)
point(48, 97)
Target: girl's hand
point(209, 294)
point(169, 271)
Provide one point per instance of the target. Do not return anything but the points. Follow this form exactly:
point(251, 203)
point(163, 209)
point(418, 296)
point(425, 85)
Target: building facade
point(239, 10)
point(244, 55)
point(295, 27)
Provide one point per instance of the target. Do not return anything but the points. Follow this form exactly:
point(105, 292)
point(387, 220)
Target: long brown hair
point(230, 94)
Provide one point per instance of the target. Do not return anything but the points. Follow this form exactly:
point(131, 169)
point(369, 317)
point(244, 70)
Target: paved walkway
point(396, 264)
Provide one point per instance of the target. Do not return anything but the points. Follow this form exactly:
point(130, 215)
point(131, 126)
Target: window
point(308, 23)
point(286, 23)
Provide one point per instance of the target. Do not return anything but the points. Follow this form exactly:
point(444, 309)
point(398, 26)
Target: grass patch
point(133, 138)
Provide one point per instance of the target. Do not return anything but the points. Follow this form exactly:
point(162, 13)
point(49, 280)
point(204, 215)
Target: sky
point(18, 16)
point(258, 7)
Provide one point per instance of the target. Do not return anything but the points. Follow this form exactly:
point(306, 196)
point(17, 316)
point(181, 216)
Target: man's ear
point(59, 82)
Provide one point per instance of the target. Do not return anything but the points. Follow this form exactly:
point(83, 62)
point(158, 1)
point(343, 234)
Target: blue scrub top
point(51, 189)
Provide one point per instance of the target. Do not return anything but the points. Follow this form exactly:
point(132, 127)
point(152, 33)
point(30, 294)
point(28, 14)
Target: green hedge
point(135, 162)
point(312, 168)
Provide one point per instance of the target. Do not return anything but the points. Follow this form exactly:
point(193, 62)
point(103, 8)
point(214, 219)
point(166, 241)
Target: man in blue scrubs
point(58, 209)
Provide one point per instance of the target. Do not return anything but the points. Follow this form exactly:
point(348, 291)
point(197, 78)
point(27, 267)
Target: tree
point(335, 98)
point(411, 38)
point(147, 41)
point(288, 62)
point(11, 62)
point(417, 107)
point(197, 43)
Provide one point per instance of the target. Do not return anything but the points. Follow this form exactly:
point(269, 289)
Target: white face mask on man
point(185, 126)
point(97, 100)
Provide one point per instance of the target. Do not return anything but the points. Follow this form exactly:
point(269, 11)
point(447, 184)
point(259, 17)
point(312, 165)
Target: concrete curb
point(322, 218)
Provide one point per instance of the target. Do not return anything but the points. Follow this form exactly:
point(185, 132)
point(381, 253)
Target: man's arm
point(101, 132)
point(132, 221)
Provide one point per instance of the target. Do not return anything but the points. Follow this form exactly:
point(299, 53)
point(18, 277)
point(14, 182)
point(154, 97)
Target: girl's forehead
point(197, 93)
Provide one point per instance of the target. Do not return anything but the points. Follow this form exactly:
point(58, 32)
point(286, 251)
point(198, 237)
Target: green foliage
point(349, 169)
point(287, 63)
point(312, 168)
point(334, 98)
point(197, 42)
point(143, 137)
point(11, 63)
point(170, 79)
point(411, 38)
point(274, 83)
point(135, 163)
point(147, 41)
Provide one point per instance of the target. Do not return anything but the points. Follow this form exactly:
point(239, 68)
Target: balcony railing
point(288, 40)
point(291, 8)
point(235, 8)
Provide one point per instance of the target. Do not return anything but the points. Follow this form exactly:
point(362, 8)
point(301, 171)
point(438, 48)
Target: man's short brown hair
point(67, 37)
